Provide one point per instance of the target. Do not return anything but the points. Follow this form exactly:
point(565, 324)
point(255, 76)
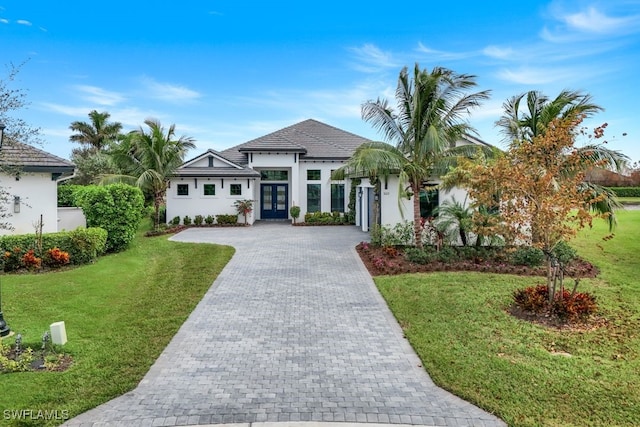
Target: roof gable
point(203, 161)
point(311, 138)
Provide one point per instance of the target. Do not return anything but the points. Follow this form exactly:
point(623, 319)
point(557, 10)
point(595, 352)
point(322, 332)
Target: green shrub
point(83, 245)
point(295, 212)
point(209, 219)
point(564, 253)
point(198, 220)
point(227, 219)
point(626, 191)
point(528, 256)
point(418, 256)
point(67, 195)
point(447, 254)
point(175, 220)
point(118, 208)
point(87, 244)
point(186, 220)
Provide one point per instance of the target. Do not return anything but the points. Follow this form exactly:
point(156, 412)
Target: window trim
point(232, 186)
point(204, 191)
point(314, 170)
point(319, 187)
point(341, 207)
point(186, 185)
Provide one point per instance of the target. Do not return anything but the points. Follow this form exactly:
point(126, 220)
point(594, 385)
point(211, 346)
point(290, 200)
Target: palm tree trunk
point(417, 219)
point(157, 201)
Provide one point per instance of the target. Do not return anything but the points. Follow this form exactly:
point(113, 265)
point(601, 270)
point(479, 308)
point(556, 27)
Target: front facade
point(289, 167)
point(29, 179)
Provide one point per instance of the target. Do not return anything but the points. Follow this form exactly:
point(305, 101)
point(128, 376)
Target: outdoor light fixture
point(16, 204)
point(4, 328)
point(2, 128)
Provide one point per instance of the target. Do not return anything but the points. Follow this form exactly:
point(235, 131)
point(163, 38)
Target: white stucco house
point(291, 166)
point(29, 177)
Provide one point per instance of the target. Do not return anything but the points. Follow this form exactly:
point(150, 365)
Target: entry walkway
point(293, 330)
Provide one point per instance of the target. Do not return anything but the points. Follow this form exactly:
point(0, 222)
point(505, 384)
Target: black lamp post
point(4, 328)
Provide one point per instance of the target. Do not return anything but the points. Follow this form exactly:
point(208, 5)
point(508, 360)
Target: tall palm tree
point(520, 126)
point(98, 134)
point(150, 158)
point(422, 132)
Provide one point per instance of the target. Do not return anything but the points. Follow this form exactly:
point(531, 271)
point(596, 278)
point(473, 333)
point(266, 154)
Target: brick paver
point(293, 329)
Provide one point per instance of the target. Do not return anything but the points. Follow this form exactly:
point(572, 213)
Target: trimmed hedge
point(67, 195)
point(84, 245)
point(626, 191)
point(118, 208)
point(227, 219)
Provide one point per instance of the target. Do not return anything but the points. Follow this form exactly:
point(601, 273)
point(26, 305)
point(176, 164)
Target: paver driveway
point(293, 329)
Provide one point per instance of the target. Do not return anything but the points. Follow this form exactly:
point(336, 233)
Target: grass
point(120, 313)
point(629, 200)
point(459, 326)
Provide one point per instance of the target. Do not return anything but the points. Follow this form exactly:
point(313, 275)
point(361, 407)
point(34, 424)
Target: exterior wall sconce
point(2, 128)
point(16, 204)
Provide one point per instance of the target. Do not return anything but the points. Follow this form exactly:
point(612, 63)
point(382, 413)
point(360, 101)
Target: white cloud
point(536, 76)
point(440, 55)
point(65, 109)
point(23, 22)
point(99, 96)
point(498, 52)
point(592, 20)
point(4, 21)
point(372, 59)
point(591, 23)
point(169, 92)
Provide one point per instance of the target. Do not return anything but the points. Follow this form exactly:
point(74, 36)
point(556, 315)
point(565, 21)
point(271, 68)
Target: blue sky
point(228, 72)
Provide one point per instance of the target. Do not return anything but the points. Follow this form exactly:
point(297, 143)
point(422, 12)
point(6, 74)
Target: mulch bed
point(379, 262)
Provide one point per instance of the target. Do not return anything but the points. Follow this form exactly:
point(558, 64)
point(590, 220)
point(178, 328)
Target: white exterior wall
point(71, 218)
point(391, 213)
point(38, 196)
point(196, 203)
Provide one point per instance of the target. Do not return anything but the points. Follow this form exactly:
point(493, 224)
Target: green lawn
point(120, 313)
point(458, 325)
point(629, 200)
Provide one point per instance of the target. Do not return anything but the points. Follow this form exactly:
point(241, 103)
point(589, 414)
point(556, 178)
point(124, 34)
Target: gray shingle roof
point(311, 138)
point(28, 158)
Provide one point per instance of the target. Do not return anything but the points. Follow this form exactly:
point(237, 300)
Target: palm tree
point(431, 106)
point(455, 220)
point(150, 158)
point(520, 126)
point(98, 134)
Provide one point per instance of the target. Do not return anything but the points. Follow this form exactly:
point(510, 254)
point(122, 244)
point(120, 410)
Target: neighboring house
point(291, 166)
point(29, 177)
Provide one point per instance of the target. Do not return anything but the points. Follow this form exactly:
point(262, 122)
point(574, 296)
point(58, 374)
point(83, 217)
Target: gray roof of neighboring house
point(30, 159)
point(311, 138)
